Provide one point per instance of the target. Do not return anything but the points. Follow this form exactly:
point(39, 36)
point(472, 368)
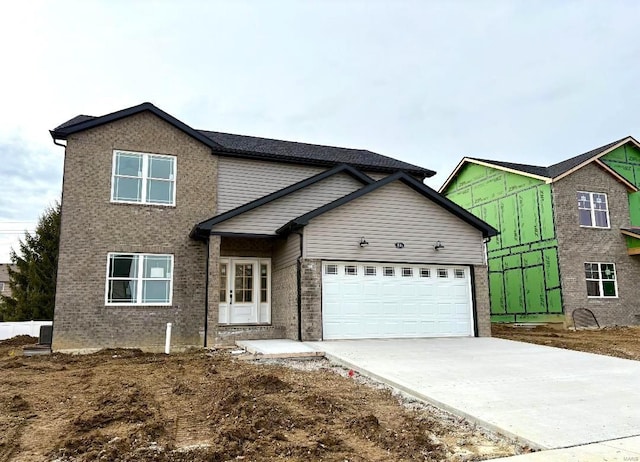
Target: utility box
point(46, 335)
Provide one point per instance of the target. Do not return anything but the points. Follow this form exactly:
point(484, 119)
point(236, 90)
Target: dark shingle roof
point(309, 152)
point(532, 169)
point(76, 120)
point(554, 170)
point(566, 165)
point(254, 147)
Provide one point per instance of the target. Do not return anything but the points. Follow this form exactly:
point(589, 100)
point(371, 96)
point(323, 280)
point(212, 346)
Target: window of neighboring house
point(593, 209)
point(143, 178)
point(1, 286)
point(139, 279)
point(601, 279)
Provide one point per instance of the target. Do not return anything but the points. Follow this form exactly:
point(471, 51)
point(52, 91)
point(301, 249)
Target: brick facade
point(311, 294)
point(482, 306)
point(578, 245)
point(284, 300)
point(92, 227)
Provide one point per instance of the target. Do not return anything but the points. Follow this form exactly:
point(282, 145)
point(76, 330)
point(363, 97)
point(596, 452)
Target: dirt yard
point(125, 405)
point(622, 342)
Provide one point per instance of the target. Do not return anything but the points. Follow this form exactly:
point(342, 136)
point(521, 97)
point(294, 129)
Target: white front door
point(391, 300)
point(245, 291)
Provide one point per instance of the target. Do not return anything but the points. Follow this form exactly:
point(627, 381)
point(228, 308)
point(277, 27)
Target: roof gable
point(83, 122)
point(203, 229)
point(227, 144)
point(553, 172)
point(417, 186)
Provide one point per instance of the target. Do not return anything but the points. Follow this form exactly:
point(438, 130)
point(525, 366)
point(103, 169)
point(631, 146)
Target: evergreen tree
point(33, 282)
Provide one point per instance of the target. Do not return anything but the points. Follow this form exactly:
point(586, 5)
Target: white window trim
point(139, 278)
point(1, 286)
point(144, 178)
point(600, 281)
point(593, 212)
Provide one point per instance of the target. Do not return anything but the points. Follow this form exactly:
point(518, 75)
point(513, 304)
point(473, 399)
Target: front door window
point(245, 291)
point(243, 283)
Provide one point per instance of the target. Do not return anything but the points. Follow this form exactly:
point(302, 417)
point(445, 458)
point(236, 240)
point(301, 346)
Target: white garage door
point(389, 300)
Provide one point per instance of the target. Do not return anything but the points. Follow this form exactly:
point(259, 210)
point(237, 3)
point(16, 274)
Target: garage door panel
point(412, 302)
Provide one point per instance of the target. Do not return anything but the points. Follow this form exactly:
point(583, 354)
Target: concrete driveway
point(548, 397)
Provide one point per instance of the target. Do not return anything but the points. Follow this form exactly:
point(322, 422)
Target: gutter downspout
point(299, 277)
point(206, 295)
point(53, 318)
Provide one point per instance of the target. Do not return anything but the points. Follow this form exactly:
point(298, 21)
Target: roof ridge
point(287, 141)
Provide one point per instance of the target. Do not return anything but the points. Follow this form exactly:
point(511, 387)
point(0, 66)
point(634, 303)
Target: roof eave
point(466, 160)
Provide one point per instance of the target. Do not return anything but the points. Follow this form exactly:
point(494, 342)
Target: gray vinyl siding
point(244, 180)
point(286, 252)
point(377, 176)
point(393, 213)
point(269, 217)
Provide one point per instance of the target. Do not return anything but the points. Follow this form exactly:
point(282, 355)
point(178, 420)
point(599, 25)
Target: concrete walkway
point(547, 397)
point(624, 450)
point(278, 348)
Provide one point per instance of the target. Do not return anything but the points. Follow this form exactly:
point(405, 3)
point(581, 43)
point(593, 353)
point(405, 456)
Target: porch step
point(278, 348)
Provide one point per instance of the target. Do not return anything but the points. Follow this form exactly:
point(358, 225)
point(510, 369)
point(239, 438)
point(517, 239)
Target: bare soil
point(621, 342)
point(126, 405)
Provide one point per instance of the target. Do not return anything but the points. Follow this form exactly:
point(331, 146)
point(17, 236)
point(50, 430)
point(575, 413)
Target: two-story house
point(569, 233)
point(233, 237)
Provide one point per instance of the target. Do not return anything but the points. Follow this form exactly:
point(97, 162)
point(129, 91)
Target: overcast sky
point(425, 82)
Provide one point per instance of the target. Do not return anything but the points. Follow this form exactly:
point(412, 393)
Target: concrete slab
point(623, 450)
point(547, 397)
point(279, 348)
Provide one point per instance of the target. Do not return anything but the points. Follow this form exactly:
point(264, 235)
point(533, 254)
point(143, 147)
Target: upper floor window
point(601, 279)
point(139, 279)
point(1, 286)
point(143, 178)
point(593, 209)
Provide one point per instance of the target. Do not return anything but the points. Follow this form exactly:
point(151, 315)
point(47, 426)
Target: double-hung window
point(143, 178)
point(139, 279)
point(593, 209)
point(601, 279)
